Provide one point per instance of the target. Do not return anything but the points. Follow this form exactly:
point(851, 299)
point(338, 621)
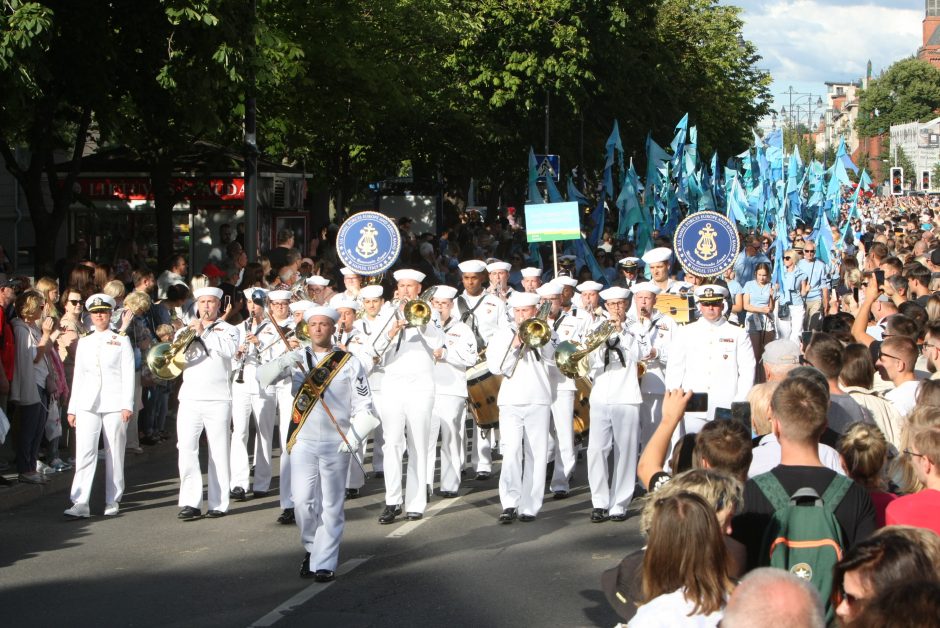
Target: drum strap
point(466, 313)
point(312, 390)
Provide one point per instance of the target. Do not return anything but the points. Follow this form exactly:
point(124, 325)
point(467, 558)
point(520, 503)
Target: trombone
point(416, 312)
point(534, 332)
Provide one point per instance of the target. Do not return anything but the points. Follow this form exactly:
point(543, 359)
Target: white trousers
point(791, 329)
point(215, 418)
point(244, 404)
point(523, 429)
point(318, 480)
point(406, 420)
point(614, 427)
point(285, 404)
point(447, 419)
point(481, 455)
point(88, 427)
point(563, 452)
point(378, 437)
point(651, 413)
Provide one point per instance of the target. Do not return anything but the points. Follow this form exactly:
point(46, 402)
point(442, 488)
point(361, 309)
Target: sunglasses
point(75, 302)
point(787, 257)
point(805, 251)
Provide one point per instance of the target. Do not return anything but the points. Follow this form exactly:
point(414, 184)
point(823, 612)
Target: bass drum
point(582, 410)
point(482, 390)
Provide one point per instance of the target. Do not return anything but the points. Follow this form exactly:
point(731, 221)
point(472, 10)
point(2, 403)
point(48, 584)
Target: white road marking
point(411, 526)
point(306, 594)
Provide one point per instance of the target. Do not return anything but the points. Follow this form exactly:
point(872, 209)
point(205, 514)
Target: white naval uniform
point(354, 343)
point(375, 369)
point(318, 470)
point(206, 403)
point(656, 332)
point(407, 401)
point(714, 358)
point(566, 327)
point(615, 420)
point(450, 403)
point(248, 398)
point(524, 402)
point(284, 399)
point(489, 313)
point(102, 385)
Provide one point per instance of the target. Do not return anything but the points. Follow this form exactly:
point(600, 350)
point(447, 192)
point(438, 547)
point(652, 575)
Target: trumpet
point(534, 333)
point(571, 358)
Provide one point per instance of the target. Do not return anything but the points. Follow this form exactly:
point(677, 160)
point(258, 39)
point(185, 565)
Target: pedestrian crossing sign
point(548, 165)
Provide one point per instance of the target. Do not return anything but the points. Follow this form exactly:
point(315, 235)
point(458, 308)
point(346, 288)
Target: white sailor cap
point(375, 291)
point(207, 292)
point(408, 273)
point(250, 292)
point(629, 262)
point(317, 280)
point(710, 293)
point(550, 289)
point(100, 303)
point(321, 310)
point(446, 292)
point(590, 286)
point(348, 272)
point(565, 280)
point(531, 272)
point(341, 301)
point(612, 294)
point(655, 256)
point(301, 306)
point(646, 286)
point(495, 266)
point(472, 266)
point(523, 299)
point(279, 295)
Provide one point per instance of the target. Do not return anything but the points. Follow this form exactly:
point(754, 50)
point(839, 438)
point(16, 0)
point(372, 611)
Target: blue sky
point(805, 43)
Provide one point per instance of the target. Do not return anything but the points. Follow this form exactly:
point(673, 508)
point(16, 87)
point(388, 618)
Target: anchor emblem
point(367, 246)
point(707, 248)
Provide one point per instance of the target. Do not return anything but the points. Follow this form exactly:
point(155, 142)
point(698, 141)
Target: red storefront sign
point(139, 189)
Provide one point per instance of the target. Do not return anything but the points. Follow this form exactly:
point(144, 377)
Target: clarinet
point(240, 377)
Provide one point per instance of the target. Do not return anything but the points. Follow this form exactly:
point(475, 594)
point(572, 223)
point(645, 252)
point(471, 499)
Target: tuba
point(167, 359)
point(571, 357)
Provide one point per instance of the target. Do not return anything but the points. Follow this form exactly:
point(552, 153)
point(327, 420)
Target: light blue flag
point(597, 217)
point(535, 195)
point(614, 152)
point(586, 257)
point(842, 156)
point(574, 194)
point(679, 139)
point(554, 196)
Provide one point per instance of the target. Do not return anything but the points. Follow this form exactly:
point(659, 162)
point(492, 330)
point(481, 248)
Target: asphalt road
point(456, 567)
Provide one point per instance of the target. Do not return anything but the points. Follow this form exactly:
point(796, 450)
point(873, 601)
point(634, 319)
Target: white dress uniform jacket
point(489, 313)
point(532, 383)
point(209, 364)
point(714, 358)
point(656, 332)
point(104, 374)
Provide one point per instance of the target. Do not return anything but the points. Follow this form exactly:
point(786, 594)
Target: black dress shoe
point(599, 515)
point(352, 493)
point(560, 495)
point(287, 517)
point(388, 515)
point(260, 494)
point(188, 513)
point(449, 494)
point(483, 475)
point(215, 514)
point(305, 567)
point(526, 518)
point(620, 517)
point(413, 516)
point(507, 515)
point(378, 475)
point(238, 494)
point(324, 575)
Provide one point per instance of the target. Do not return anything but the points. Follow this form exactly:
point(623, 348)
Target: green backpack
point(803, 536)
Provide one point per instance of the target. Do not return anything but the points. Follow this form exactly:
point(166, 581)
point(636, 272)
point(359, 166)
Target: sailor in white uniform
point(407, 399)
point(102, 401)
point(531, 279)
point(348, 338)
point(590, 309)
point(615, 414)
point(656, 331)
point(373, 304)
point(499, 280)
point(450, 392)
point(353, 285)
point(524, 401)
point(206, 404)
point(321, 441)
point(710, 356)
point(318, 289)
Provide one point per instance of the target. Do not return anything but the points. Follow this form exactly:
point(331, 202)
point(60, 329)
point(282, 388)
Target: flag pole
point(555, 255)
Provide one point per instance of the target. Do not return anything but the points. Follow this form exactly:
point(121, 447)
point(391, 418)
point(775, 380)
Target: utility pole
point(251, 146)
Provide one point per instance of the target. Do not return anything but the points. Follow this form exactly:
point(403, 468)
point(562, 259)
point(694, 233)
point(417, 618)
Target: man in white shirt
point(353, 284)
point(373, 304)
point(896, 358)
point(531, 279)
point(658, 261)
point(499, 280)
point(590, 307)
point(524, 402)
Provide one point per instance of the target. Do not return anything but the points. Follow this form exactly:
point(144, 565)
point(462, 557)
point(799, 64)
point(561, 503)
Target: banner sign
point(706, 243)
point(368, 242)
point(552, 221)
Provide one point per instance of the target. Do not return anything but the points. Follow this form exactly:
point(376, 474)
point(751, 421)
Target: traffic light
point(897, 181)
point(925, 182)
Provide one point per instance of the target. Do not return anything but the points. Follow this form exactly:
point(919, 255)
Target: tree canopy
point(908, 91)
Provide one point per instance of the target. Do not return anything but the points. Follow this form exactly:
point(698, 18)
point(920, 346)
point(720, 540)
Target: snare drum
point(482, 390)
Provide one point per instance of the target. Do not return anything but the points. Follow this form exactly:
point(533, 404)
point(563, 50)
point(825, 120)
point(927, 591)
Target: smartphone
point(806, 338)
point(741, 412)
point(722, 414)
point(226, 303)
point(697, 403)
point(880, 277)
